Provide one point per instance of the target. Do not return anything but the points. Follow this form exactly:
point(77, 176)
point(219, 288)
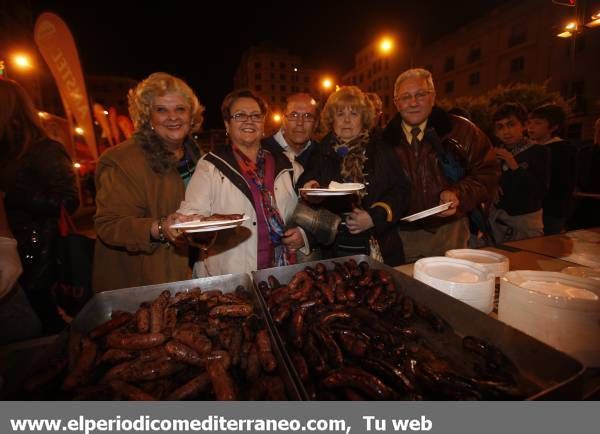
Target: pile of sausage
point(194, 345)
point(351, 334)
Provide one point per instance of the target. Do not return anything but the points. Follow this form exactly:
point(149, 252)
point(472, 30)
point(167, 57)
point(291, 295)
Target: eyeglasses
point(420, 96)
point(295, 117)
point(245, 117)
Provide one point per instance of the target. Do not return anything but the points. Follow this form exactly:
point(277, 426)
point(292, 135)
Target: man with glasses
point(298, 124)
point(447, 160)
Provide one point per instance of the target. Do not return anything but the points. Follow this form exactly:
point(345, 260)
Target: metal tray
point(557, 375)
point(18, 359)
point(99, 309)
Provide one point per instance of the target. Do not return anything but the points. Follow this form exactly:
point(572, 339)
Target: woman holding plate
point(245, 177)
point(141, 182)
point(349, 154)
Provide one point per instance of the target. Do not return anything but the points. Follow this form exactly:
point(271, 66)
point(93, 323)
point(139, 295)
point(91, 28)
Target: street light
point(386, 45)
point(569, 30)
point(79, 131)
point(22, 61)
point(327, 83)
point(595, 20)
point(276, 117)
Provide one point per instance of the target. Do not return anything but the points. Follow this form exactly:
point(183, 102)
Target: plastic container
point(588, 273)
point(556, 308)
point(493, 262)
point(464, 280)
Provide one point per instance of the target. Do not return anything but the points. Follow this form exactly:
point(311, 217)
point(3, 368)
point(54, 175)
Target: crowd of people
point(517, 184)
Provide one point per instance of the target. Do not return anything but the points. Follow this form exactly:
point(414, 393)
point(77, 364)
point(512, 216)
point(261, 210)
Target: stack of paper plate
point(556, 308)
point(495, 263)
point(463, 280)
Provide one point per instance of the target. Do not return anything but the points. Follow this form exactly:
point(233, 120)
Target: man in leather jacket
point(419, 133)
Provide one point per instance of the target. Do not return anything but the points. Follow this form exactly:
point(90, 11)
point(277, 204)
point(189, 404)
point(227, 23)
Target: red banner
point(57, 46)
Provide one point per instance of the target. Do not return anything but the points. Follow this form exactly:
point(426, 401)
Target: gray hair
point(414, 73)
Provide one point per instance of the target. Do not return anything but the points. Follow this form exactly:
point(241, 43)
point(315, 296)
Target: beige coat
point(130, 196)
point(217, 186)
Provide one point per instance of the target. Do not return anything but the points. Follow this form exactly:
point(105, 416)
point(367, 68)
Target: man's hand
point(308, 198)
point(10, 265)
point(292, 238)
point(508, 158)
point(359, 221)
point(449, 196)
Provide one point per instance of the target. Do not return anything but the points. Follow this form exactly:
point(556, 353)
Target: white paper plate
point(428, 212)
point(211, 228)
point(493, 262)
point(199, 224)
point(339, 190)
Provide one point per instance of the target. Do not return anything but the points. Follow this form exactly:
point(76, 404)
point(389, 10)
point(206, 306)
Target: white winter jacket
point(217, 186)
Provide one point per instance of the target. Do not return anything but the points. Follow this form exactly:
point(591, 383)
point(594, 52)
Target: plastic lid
point(493, 262)
point(555, 288)
point(589, 273)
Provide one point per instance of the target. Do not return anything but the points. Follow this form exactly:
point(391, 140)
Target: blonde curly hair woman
point(140, 184)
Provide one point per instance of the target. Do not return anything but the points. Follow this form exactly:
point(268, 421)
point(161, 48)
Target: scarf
point(353, 154)
point(517, 149)
point(256, 172)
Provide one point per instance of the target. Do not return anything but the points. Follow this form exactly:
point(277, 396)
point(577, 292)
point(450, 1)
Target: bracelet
point(387, 208)
point(161, 232)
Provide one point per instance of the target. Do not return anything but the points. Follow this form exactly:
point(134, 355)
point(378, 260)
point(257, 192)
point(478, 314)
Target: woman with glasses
point(349, 153)
point(140, 184)
point(244, 177)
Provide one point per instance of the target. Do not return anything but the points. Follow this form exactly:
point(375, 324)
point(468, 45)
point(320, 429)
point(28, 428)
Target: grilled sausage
point(221, 381)
point(191, 389)
point(117, 320)
point(134, 341)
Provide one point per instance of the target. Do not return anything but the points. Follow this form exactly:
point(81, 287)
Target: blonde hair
point(414, 73)
point(348, 96)
point(142, 97)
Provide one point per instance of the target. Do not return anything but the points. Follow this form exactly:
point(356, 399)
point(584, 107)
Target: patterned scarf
point(517, 149)
point(354, 156)
point(256, 172)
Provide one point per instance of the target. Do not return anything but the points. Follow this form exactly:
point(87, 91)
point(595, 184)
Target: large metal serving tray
point(19, 359)
point(557, 375)
point(99, 309)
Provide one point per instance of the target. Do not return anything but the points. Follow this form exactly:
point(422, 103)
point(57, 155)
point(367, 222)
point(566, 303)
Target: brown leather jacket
point(472, 149)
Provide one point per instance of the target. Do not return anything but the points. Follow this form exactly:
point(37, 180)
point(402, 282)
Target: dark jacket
point(524, 188)
point(271, 144)
point(385, 182)
point(36, 185)
point(563, 178)
point(471, 147)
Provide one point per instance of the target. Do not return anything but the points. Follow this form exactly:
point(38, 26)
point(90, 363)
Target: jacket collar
point(224, 159)
point(439, 120)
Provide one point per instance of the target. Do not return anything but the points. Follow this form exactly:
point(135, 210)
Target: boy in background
point(517, 213)
point(545, 124)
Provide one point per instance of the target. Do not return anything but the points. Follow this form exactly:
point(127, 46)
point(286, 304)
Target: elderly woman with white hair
point(350, 152)
point(140, 185)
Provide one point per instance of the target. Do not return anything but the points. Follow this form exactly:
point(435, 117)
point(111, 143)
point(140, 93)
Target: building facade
point(375, 71)
point(517, 43)
point(275, 74)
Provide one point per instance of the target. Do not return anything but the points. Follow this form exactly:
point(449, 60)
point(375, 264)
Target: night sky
point(135, 39)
